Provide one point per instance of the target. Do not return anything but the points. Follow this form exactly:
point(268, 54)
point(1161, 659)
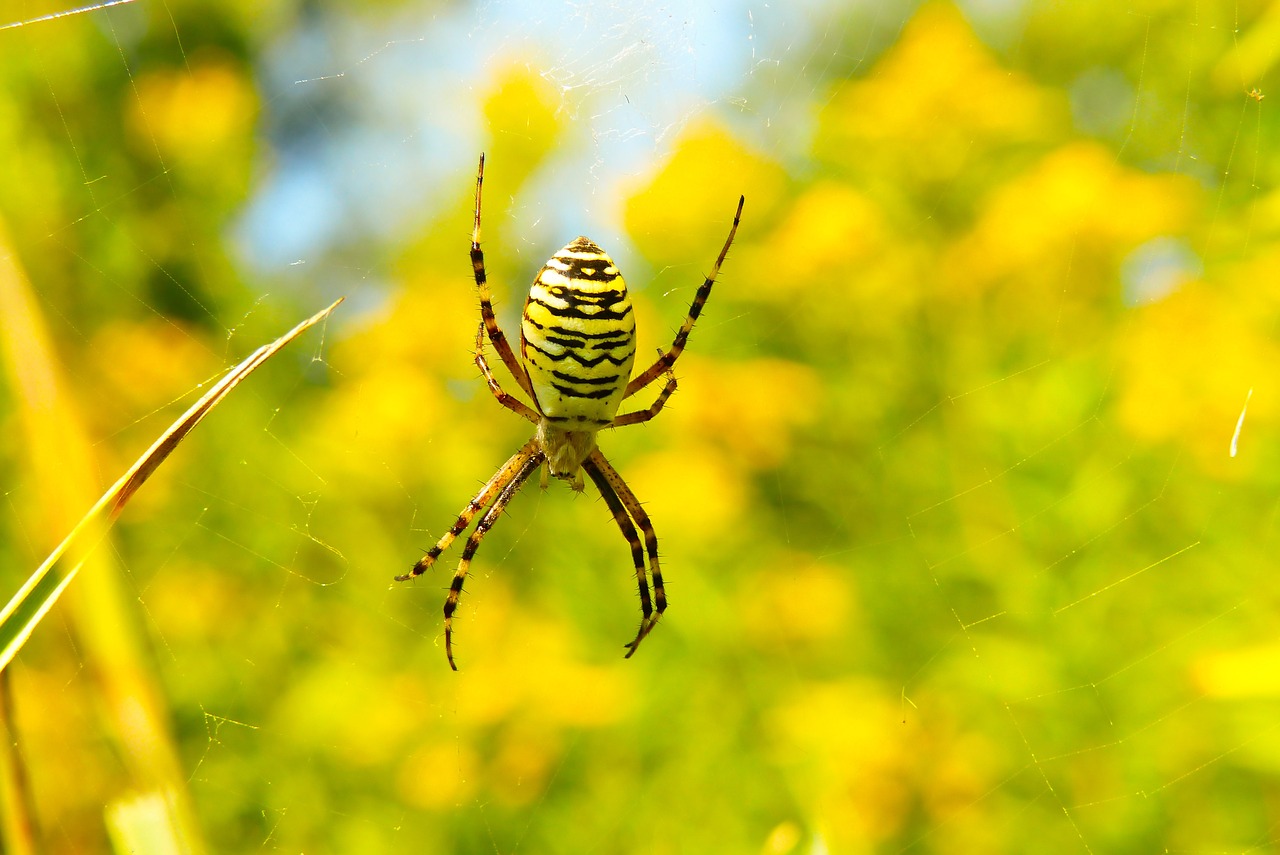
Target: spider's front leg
point(496, 336)
point(668, 359)
point(642, 416)
point(511, 402)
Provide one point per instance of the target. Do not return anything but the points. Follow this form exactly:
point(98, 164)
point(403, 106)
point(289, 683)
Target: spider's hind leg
point(478, 503)
point(473, 543)
point(625, 507)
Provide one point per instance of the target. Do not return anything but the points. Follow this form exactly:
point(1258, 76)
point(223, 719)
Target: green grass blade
point(43, 588)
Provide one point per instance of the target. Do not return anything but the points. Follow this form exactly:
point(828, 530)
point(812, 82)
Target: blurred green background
point(961, 554)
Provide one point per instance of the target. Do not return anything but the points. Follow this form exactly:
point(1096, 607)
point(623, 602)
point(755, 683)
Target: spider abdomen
point(577, 337)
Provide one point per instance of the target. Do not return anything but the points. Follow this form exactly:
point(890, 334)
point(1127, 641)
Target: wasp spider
point(577, 346)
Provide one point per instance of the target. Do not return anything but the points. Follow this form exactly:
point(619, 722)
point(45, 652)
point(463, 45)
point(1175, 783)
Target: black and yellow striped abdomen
point(577, 338)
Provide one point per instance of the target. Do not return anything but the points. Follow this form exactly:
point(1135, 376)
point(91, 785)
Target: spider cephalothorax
point(577, 348)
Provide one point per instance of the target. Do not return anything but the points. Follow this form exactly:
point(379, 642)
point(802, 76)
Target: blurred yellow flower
point(519, 661)
point(847, 753)
point(439, 775)
point(150, 363)
point(147, 372)
point(830, 230)
point(195, 113)
point(1246, 672)
point(681, 215)
point(751, 408)
point(936, 94)
point(783, 839)
point(523, 111)
point(1189, 361)
point(1065, 207)
point(527, 756)
point(796, 598)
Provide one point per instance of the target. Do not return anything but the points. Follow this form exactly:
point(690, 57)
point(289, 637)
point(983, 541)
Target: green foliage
point(958, 557)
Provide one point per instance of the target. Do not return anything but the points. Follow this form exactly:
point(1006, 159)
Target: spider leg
point(642, 416)
point(605, 475)
point(511, 402)
point(668, 359)
point(623, 519)
point(496, 335)
point(508, 471)
point(509, 490)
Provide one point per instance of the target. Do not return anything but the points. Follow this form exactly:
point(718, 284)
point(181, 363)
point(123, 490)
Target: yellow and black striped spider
point(577, 346)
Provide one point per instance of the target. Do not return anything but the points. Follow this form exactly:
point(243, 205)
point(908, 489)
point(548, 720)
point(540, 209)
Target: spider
point(577, 348)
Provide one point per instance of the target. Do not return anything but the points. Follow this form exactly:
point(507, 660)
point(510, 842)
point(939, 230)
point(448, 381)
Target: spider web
point(965, 500)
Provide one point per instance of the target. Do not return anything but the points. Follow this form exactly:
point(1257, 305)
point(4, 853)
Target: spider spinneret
point(577, 349)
